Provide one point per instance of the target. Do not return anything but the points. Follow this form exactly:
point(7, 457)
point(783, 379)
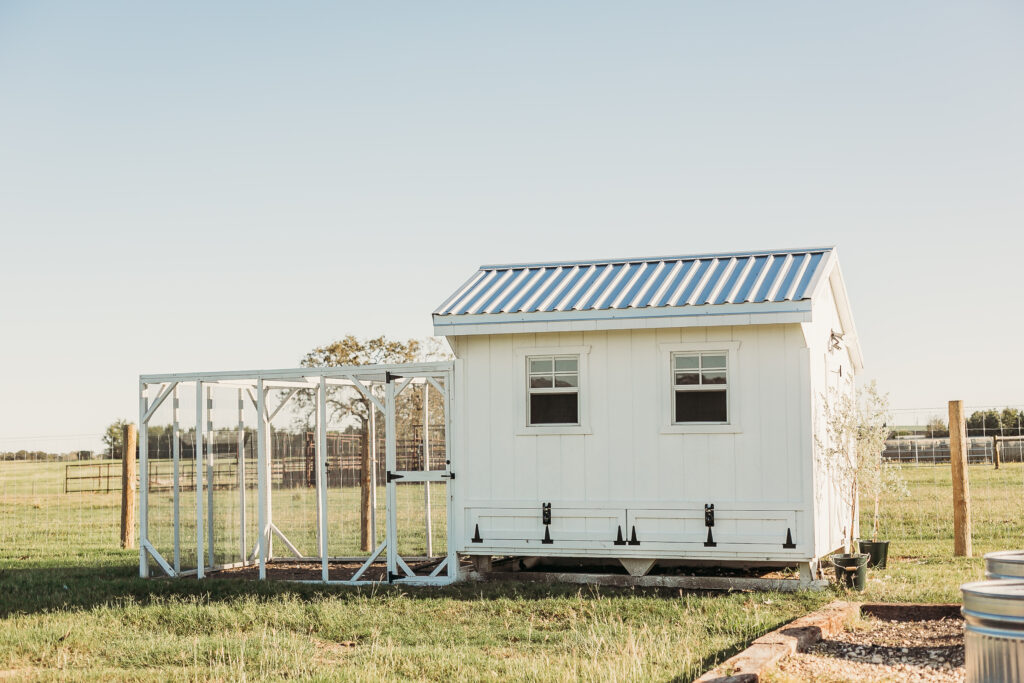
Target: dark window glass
point(554, 409)
point(701, 406)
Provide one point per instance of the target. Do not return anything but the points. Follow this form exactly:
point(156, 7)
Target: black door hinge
point(392, 476)
point(789, 545)
point(619, 540)
point(547, 536)
point(390, 376)
point(476, 535)
point(632, 537)
point(545, 513)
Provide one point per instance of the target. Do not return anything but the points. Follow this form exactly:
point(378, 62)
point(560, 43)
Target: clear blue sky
point(187, 186)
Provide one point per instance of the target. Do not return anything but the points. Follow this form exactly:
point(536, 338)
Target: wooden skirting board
point(717, 583)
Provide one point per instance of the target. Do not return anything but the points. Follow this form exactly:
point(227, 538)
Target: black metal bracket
point(392, 577)
point(390, 377)
point(619, 540)
point(789, 540)
point(547, 536)
point(391, 476)
point(476, 535)
point(449, 475)
point(545, 513)
point(632, 537)
point(709, 521)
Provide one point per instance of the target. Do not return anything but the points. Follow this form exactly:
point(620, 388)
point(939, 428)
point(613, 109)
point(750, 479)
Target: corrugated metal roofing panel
point(618, 284)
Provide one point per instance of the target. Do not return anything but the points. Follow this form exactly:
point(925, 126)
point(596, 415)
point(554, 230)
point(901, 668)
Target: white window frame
point(731, 351)
point(521, 369)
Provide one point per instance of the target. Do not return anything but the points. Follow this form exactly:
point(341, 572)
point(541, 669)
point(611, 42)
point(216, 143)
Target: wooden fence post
point(961, 484)
point(130, 441)
point(995, 450)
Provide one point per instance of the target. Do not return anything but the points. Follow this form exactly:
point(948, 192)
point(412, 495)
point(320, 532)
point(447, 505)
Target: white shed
point(649, 408)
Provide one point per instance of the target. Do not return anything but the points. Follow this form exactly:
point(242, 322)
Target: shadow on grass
point(29, 590)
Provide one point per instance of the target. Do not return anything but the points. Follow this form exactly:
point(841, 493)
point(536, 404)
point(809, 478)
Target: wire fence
point(68, 505)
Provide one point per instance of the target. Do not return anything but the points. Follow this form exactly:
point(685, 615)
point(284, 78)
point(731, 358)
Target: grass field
point(72, 608)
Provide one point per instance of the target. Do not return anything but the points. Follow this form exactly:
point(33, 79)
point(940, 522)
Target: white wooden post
point(426, 465)
point(371, 425)
point(262, 494)
point(243, 547)
point(321, 468)
point(391, 464)
point(200, 560)
point(176, 466)
point(268, 499)
point(209, 474)
point(143, 483)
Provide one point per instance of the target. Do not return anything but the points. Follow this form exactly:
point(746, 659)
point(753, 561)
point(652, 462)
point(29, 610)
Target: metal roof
point(637, 283)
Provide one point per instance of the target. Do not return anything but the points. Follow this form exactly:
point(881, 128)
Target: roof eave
point(638, 318)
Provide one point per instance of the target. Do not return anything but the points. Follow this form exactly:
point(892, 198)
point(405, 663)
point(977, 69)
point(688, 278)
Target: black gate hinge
point(392, 476)
point(619, 540)
point(448, 475)
point(392, 577)
point(632, 537)
point(789, 545)
point(476, 536)
point(390, 377)
point(709, 521)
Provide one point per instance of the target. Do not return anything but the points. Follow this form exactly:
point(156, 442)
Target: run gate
point(330, 533)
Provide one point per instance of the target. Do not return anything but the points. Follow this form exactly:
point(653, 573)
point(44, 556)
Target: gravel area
point(879, 650)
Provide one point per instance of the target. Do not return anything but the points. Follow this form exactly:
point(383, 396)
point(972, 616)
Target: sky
point(206, 186)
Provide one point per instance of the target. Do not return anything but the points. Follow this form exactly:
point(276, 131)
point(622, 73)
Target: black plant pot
point(878, 552)
point(851, 570)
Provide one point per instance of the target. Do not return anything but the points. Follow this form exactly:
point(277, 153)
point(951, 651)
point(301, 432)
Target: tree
point(983, 423)
point(856, 427)
point(936, 428)
point(350, 350)
point(113, 438)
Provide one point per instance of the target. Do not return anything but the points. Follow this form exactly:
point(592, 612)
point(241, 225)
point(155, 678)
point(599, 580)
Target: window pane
point(540, 382)
point(712, 361)
point(566, 365)
point(554, 409)
point(701, 406)
point(566, 380)
point(714, 377)
point(540, 365)
point(687, 378)
point(687, 362)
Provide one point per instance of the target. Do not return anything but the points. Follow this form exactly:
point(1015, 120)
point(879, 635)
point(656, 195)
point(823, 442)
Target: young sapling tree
point(850, 453)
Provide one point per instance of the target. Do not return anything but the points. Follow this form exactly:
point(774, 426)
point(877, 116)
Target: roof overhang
point(765, 313)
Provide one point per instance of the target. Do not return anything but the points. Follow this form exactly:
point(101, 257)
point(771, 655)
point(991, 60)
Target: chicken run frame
point(379, 387)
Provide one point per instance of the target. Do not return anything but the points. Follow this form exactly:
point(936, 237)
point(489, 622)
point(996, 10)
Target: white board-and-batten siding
point(628, 470)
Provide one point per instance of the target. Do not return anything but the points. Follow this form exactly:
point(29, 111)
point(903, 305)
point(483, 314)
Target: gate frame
point(442, 375)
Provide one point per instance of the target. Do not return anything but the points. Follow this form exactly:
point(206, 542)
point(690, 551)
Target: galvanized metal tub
point(994, 630)
point(1006, 564)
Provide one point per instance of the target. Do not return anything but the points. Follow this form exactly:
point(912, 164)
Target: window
point(553, 386)
point(700, 387)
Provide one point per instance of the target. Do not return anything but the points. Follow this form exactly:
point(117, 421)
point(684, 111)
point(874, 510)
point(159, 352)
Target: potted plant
point(850, 452)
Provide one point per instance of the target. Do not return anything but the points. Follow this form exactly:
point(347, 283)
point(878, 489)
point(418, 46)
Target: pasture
point(73, 609)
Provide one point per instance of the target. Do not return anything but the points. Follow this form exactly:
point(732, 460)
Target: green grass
point(72, 609)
